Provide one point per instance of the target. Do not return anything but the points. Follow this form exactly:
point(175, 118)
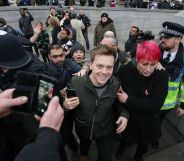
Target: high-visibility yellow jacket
point(175, 93)
point(175, 70)
point(172, 95)
point(181, 94)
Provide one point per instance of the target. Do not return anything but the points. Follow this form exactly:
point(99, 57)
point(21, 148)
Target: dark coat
point(131, 45)
point(45, 147)
point(54, 33)
point(174, 68)
point(101, 28)
point(86, 21)
point(18, 129)
point(94, 117)
point(26, 26)
point(145, 98)
point(121, 59)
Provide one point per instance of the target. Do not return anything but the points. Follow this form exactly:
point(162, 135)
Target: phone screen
point(45, 93)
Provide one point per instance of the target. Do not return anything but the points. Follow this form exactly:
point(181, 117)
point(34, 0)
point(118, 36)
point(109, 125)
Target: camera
point(67, 46)
point(146, 35)
point(38, 88)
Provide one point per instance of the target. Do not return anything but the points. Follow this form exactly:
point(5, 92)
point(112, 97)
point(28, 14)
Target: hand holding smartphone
point(71, 101)
point(39, 90)
point(70, 93)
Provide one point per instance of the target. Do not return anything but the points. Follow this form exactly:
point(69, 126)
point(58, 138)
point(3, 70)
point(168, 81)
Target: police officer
point(172, 60)
point(16, 129)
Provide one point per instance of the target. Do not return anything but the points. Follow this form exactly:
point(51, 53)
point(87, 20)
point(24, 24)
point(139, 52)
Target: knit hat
point(172, 29)
point(77, 46)
point(104, 15)
point(13, 54)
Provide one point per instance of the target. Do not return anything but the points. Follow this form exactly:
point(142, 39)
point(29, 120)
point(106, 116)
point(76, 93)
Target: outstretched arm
point(46, 146)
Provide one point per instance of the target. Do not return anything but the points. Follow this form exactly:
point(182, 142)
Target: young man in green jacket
point(95, 105)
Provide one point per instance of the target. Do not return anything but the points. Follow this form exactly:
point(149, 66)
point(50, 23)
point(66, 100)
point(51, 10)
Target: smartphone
point(39, 90)
point(26, 85)
point(44, 94)
point(70, 93)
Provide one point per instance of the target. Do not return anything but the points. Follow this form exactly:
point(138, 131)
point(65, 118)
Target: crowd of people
point(156, 4)
point(117, 94)
point(150, 4)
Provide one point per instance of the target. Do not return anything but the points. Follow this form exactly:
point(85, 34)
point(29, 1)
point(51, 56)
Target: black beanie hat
point(104, 15)
point(77, 46)
point(13, 54)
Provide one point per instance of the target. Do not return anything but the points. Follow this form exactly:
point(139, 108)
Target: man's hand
point(37, 30)
point(122, 96)
point(71, 103)
point(122, 123)
point(159, 66)
point(6, 102)
point(81, 73)
point(67, 52)
point(54, 115)
point(179, 111)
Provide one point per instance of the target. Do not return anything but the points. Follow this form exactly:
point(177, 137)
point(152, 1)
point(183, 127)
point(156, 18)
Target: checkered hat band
point(173, 32)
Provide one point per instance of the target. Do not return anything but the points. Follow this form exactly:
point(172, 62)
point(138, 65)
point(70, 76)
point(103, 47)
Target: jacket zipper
point(93, 121)
point(94, 116)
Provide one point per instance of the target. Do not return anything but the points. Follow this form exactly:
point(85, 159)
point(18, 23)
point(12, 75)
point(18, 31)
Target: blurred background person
point(78, 26)
point(53, 21)
point(87, 22)
point(41, 40)
point(65, 41)
point(105, 24)
point(131, 43)
point(53, 13)
point(25, 22)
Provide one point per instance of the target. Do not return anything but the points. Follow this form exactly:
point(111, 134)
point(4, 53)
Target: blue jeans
point(104, 147)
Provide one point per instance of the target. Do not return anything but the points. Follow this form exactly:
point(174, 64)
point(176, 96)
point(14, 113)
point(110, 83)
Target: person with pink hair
point(143, 91)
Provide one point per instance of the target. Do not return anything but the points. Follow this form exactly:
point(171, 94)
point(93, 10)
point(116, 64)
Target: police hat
point(172, 30)
point(13, 54)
